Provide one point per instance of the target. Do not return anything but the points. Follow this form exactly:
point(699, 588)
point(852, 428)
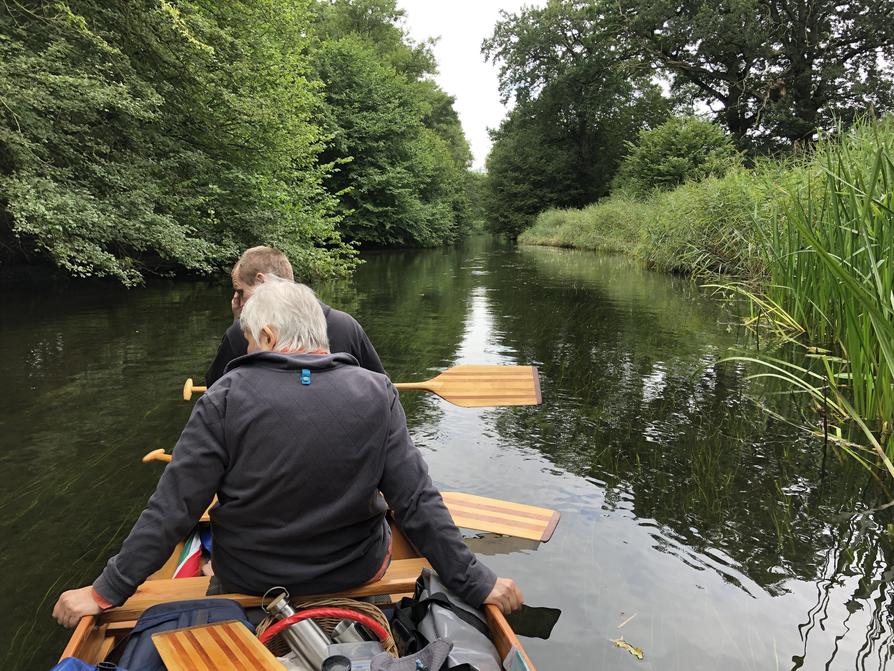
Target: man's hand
point(236, 303)
point(75, 604)
point(505, 595)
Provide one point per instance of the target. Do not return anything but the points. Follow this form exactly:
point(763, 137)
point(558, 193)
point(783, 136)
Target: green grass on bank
point(809, 240)
point(699, 228)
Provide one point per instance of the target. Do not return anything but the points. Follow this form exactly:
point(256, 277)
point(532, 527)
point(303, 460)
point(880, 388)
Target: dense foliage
point(397, 143)
point(774, 70)
point(161, 136)
point(679, 150)
point(576, 104)
point(582, 73)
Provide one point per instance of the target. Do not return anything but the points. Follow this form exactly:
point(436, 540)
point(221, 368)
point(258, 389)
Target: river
point(695, 526)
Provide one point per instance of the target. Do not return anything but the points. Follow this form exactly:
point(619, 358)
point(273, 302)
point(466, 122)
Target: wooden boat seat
point(399, 578)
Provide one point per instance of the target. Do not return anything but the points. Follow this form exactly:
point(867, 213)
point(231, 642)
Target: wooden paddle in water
point(473, 512)
point(478, 386)
point(468, 386)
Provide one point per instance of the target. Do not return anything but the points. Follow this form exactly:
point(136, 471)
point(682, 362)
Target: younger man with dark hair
point(345, 334)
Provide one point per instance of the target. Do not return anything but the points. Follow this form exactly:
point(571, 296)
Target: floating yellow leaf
point(624, 645)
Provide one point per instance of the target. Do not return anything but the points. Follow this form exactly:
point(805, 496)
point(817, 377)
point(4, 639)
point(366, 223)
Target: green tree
point(147, 138)
point(476, 194)
point(772, 69)
point(395, 139)
point(679, 150)
point(576, 103)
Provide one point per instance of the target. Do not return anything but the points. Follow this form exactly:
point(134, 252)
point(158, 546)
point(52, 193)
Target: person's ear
point(268, 339)
point(259, 278)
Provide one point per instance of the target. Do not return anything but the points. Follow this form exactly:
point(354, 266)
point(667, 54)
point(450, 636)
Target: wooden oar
point(469, 511)
point(477, 386)
point(157, 455)
point(468, 386)
point(189, 389)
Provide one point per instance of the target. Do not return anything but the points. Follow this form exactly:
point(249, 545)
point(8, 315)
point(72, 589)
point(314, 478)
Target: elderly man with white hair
point(296, 443)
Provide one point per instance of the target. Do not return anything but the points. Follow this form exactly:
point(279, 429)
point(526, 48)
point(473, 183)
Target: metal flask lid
point(336, 663)
point(280, 606)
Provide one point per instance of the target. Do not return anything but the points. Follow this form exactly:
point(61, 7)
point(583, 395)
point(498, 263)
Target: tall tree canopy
point(396, 141)
point(773, 71)
point(139, 137)
point(149, 137)
point(583, 74)
point(576, 101)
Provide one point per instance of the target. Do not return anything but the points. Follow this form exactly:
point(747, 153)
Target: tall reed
point(828, 252)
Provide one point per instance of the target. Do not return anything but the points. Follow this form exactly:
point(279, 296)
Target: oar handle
point(157, 455)
point(189, 388)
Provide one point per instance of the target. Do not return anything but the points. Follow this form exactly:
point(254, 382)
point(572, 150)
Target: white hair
point(291, 310)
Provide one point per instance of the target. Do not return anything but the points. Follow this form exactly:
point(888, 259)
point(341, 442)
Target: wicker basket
point(278, 646)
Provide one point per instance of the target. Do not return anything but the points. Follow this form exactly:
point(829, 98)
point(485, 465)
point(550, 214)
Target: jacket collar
point(296, 361)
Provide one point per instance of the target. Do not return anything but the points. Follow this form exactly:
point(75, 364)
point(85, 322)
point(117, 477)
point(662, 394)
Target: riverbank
point(808, 240)
point(700, 228)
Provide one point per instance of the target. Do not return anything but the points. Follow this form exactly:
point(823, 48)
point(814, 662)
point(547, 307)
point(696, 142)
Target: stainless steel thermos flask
point(348, 631)
point(305, 638)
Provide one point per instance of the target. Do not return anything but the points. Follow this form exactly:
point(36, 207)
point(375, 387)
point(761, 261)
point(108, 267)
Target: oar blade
point(501, 517)
point(475, 386)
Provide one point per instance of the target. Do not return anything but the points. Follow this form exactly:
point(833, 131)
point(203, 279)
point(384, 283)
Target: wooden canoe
point(95, 637)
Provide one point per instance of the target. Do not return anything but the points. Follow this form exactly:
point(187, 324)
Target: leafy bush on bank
point(682, 149)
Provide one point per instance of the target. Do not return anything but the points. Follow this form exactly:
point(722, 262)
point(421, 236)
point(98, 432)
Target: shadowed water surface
point(708, 531)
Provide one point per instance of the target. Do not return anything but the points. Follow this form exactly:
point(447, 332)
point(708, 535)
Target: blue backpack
point(139, 652)
point(75, 664)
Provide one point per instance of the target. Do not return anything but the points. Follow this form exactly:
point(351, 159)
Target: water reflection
point(684, 506)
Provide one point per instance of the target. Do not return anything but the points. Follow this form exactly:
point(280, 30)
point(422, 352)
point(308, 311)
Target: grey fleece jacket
point(297, 469)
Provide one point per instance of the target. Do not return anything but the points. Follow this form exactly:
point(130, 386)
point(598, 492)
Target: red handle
point(345, 613)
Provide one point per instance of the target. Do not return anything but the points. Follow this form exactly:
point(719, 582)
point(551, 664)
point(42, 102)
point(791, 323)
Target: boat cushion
point(139, 651)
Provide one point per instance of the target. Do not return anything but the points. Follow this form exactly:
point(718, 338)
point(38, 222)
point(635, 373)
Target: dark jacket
point(345, 335)
point(298, 491)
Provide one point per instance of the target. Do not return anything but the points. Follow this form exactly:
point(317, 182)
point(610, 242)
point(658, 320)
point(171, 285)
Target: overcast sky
point(461, 26)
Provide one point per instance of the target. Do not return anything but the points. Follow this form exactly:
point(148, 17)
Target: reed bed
point(828, 253)
point(809, 242)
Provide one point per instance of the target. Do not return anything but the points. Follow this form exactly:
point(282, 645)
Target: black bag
point(139, 651)
point(435, 613)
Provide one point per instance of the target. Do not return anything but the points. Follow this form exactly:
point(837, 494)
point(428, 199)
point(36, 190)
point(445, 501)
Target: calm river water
point(718, 538)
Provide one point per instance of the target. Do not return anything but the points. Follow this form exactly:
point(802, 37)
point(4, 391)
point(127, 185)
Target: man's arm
point(367, 356)
point(232, 345)
point(185, 490)
point(422, 516)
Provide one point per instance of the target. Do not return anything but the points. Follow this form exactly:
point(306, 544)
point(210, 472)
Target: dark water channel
point(705, 528)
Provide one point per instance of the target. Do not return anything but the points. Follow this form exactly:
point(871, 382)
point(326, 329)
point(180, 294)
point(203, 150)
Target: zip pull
point(305, 376)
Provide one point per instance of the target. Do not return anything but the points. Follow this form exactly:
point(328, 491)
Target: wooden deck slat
point(224, 646)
